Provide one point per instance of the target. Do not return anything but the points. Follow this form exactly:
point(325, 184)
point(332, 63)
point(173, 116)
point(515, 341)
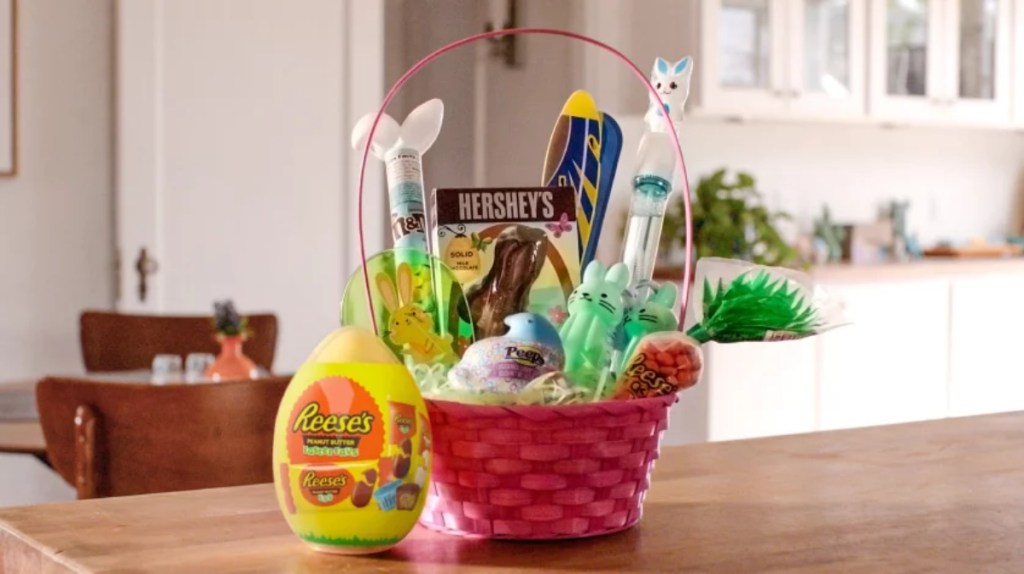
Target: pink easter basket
point(540, 472)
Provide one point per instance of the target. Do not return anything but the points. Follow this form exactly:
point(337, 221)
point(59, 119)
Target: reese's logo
point(311, 421)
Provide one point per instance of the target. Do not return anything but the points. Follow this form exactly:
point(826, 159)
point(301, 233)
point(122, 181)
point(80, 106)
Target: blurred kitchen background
point(889, 132)
point(201, 148)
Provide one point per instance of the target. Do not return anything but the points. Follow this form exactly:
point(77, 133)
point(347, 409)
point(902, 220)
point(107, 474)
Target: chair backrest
point(119, 342)
point(114, 439)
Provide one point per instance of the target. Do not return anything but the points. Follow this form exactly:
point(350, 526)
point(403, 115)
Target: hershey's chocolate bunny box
point(513, 250)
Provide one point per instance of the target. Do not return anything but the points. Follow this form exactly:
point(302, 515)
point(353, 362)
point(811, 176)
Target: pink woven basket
point(540, 472)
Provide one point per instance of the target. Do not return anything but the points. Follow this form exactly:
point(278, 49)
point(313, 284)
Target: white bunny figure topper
point(672, 80)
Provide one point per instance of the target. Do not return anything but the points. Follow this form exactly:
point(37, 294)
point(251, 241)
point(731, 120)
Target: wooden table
point(20, 432)
point(941, 496)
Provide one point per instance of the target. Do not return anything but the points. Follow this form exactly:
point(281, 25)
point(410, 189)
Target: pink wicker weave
point(542, 472)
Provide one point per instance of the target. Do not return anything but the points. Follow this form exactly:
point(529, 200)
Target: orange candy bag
point(662, 364)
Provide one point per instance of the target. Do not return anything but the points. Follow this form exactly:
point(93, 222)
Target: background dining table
point(937, 496)
point(20, 430)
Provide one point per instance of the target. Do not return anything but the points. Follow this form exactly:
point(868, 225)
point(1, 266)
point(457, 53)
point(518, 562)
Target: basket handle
point(510, 32)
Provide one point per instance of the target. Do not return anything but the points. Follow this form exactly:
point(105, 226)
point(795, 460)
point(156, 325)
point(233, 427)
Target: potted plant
point(729, 220)
point(231, 330)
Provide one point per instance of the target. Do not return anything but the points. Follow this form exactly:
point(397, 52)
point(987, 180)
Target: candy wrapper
point(661, 364)
point(739, 301)
point(505, 365)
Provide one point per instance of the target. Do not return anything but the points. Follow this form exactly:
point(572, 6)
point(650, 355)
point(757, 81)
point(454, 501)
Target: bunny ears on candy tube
point(401, 148)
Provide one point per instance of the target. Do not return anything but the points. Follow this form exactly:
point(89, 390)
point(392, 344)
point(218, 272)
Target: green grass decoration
point(748, 308)
point(354, 541)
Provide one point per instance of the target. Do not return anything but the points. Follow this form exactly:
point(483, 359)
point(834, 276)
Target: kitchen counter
point(926, 268)
point(938, 496)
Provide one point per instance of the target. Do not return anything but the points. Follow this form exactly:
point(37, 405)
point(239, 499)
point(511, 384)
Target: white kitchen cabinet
point(980, 86)
point(761, 389)
point(941, 61)
point(782, 58)
point(985, 359)
point(827, 58)
point(743, 57)
point(889, 364)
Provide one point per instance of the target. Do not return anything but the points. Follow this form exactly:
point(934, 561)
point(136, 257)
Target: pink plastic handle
point(511, 32)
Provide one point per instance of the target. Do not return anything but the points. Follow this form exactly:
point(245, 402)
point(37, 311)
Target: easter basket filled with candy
point(548, 375)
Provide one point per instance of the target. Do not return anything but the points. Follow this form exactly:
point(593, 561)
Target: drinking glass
point(166, 368)
point(196, 365)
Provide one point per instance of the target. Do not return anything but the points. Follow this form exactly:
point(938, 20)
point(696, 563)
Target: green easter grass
point(354, 541)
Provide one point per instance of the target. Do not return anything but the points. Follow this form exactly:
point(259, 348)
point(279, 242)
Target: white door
point(743, 47)
point(827, 58)
point(907, 60)
point(977, 85)
point(233, 169)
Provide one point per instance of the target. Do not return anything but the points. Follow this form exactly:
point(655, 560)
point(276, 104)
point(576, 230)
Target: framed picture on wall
point(8, 87)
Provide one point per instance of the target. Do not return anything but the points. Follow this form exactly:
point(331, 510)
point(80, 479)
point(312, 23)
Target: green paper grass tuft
point(748, 309)
point(353, 541)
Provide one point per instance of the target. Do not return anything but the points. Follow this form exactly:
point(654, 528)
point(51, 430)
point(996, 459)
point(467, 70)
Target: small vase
point(231, 364)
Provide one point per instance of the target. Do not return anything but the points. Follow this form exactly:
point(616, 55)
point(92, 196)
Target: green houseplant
point(729, 220)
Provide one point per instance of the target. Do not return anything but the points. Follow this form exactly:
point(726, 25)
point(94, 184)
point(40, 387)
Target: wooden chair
point(119, 342)
point(115, 439)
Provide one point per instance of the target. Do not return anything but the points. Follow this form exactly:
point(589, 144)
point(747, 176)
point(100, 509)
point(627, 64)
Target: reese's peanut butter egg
point(352, 344)
point(351, 447)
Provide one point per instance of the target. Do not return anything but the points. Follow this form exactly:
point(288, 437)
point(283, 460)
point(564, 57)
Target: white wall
point(56, 246)
point(961, 183)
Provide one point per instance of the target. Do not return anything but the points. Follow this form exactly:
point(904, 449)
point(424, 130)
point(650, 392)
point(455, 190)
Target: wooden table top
point(940, 496)
point(20, 431)
point(22, 437)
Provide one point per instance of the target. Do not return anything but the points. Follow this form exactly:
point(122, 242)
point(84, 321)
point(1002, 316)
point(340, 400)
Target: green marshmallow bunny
point(651, 316)
point(595, 310)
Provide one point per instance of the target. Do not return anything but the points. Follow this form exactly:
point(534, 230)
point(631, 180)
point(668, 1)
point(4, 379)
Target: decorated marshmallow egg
point(506, 364)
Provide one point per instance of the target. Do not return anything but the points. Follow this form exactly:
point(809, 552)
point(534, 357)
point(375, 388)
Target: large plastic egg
point(352, 447)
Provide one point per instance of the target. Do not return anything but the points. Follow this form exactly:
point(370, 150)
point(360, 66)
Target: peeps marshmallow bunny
point(595, 309)
point(650, 316)
point(672, 80)
point(409, 326)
